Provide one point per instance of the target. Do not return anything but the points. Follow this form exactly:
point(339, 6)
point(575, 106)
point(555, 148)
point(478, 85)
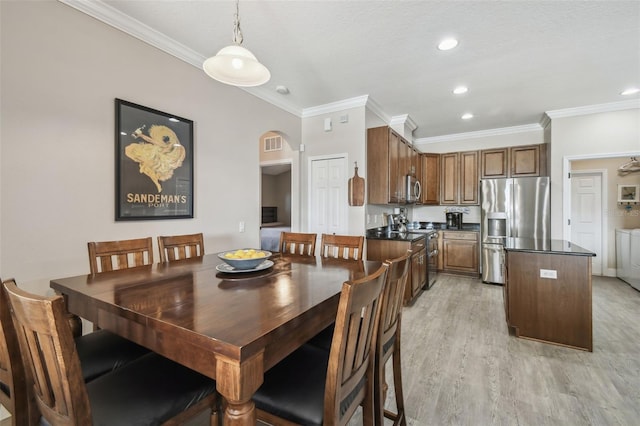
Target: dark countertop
point(415, 234)
point(532, 245)
point(377, 234)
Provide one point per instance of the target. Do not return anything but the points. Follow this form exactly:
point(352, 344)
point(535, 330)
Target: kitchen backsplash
point(376, 214)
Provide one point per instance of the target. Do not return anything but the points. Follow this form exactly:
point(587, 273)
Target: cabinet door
point(469, 178)
point(430, 179)
point(395, 185)
point(418, 272)
point(404, 167)
point(378, 165)
point(460, 255)
point(449, 178)
point(525, 161)
point(494, 163)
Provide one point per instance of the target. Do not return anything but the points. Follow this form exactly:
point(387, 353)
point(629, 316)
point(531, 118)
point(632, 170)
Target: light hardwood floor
point(461, 367)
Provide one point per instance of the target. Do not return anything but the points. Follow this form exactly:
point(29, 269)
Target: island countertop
point(533, 245)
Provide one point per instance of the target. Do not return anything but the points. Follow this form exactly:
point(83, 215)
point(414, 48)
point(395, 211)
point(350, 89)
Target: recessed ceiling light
point(460, 90)
point(630, 91)
point(467, 116)
point(448, 44)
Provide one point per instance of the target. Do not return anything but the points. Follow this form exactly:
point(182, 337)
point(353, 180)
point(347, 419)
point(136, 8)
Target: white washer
point(623, 254)
point(634, 261)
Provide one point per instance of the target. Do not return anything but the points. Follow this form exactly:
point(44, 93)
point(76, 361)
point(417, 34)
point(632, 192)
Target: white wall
point(344, 138)
point(276, 192)
point(599, 134)
point(61, 71)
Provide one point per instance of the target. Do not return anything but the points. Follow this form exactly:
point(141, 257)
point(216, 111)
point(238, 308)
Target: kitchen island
point(547, 291)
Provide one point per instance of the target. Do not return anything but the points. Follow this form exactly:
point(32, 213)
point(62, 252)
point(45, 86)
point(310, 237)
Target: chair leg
point(397, 383)
point(379, 393)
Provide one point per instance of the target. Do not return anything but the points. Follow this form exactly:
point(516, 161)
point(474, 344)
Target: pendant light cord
point(237, 32)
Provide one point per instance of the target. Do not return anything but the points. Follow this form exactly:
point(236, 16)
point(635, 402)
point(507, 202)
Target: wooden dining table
point(231, 327)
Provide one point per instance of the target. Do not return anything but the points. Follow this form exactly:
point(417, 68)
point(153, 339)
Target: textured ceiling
point(518, 58)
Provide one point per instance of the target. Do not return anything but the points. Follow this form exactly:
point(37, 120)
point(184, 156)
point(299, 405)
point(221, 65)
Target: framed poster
point(154, 164)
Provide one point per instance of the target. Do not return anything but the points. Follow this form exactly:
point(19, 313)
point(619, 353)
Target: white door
point(586, 214)
point(328, 198)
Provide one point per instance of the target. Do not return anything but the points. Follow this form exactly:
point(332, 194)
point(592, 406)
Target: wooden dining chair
point(315, 387)
point(149, 391)
point(388, 341)
point(178, 247)
point(342, 246)
point(113, 255)
point(13, 388)
point(100, 352)
point(298, 243)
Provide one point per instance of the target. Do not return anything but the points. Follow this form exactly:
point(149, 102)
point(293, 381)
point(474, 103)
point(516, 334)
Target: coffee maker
point(454, 220)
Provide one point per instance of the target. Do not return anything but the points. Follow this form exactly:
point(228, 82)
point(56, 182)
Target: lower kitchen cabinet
point(460, 252)
point(382, 249)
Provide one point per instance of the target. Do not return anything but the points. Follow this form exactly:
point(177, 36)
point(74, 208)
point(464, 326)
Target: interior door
point(586, 214)
point(328, 200)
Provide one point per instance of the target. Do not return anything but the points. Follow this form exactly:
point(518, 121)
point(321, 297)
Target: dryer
point(623, 255)
point(634, 259)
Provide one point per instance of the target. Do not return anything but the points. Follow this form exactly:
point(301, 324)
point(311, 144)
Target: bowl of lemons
point(244, 258)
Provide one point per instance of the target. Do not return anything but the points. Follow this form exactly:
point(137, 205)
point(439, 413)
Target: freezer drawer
point(493, 263)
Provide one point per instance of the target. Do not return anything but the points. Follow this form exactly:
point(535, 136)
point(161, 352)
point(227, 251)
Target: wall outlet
point(549, 273)
point(368, 219)
point(241, 226)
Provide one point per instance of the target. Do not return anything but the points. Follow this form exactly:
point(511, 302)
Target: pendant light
point(236, 65)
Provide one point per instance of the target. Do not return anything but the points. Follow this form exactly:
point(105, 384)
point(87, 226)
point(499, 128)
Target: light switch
point(327, 124)
point(241, 226)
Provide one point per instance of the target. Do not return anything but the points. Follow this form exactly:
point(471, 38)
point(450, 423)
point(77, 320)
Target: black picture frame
point(154, 164)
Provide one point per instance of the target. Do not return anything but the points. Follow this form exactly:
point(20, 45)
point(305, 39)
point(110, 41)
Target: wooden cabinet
point(389, 159)
point(430, 172)
point(515, 161)
point(459, 178)
point(389, 249)
point(556, 309)
point(460, 252)
point(494, 163)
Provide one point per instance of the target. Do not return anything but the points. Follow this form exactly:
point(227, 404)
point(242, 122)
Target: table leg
point(237, 382)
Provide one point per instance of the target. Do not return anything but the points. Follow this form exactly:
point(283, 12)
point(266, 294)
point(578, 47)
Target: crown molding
point(594, 109)
point(403, 120)
point(113, 17)
point(480, 134)
point(375, 108)
point(359, 101)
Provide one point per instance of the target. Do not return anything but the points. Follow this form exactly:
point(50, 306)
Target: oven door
point(432, 259)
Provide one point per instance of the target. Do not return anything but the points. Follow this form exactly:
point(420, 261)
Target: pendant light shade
point(236, 65)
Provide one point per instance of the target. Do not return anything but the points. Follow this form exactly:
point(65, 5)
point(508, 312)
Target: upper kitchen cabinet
point(430, 172)
point(515, 161)
point(459, 177)
point(389, 159)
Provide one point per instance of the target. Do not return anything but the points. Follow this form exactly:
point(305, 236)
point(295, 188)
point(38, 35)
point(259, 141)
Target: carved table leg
point(237, 382)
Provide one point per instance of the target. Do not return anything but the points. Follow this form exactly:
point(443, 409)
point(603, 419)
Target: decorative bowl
point(244, 258)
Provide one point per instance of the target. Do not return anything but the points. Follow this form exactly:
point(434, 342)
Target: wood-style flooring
point(461, 367)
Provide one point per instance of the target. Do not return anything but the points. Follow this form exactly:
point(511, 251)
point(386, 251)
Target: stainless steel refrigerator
point(518, 207)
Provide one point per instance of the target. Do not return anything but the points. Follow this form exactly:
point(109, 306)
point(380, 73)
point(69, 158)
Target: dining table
point(231, 326)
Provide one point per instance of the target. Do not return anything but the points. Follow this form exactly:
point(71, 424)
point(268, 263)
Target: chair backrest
point(342, 246)
point(350, 372)
point(112, 255)
point(298, 243)
point(53, 367)
point(391, 310)
point(178, 247)
point(13, 387)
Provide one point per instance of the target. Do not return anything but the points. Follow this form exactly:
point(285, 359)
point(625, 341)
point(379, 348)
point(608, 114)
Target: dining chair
point(13, 388)
point(113, 255)
point(149, 391)
point(178, 247)
point(388, 340)
point(100, 351)
point(342, 246)
point(315, 387)
point(298, 243)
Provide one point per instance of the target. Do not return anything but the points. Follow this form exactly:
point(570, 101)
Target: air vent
point(273, 143)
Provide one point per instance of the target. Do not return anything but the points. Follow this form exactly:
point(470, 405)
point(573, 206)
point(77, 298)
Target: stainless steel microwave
point(412, 189)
